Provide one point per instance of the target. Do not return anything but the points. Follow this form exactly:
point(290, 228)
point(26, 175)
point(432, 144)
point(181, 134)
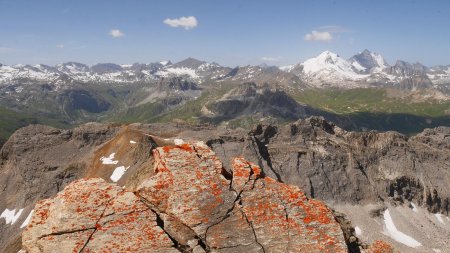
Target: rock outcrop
point(39, 161)
point(350, 167)
point(360, 174)
point(191, 204)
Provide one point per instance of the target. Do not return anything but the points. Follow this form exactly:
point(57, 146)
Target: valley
point(361, 93)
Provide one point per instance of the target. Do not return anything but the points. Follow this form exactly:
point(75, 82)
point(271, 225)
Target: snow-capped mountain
point(439, 74)
point(326, 69)
point(367, 62)
point(112, 73)
point(368, 69)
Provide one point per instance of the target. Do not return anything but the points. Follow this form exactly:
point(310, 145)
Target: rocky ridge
point(327, 69)
point(362, 175)
point(189, 205)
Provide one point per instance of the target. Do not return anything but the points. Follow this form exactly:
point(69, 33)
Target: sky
point(229, 32)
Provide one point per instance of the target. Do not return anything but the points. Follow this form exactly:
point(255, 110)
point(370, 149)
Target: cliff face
point(208, 197)
point(350, 167)
point(191, 204)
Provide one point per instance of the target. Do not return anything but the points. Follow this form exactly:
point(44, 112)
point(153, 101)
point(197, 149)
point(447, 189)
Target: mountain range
point(327, 69)
point(362, 92)
point(192, 153)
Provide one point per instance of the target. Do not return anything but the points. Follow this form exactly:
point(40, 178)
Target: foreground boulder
point(191, 204)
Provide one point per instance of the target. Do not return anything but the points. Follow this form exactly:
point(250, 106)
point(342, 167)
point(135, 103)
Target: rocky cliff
point(241, 192)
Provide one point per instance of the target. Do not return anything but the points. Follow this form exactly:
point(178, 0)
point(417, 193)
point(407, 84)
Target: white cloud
point(185, 22)
point(319, 36)
point(60, 46)
point(326, 33)
point(116, 33)
point(270, 59)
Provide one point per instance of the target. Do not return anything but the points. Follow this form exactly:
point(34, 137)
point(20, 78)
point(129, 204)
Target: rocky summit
point(191, 204)
point(307, 186)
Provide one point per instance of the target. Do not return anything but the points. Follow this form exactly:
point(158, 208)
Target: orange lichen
point(381, 247)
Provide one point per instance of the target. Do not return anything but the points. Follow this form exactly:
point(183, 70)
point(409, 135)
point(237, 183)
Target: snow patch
point(177, 72)
point(380, 61)
point(132, 142)
point(178, 142)
point(11, 216)
point(394, 233)
point(164, 63)
point(287, 68)
point(439, 217)
point(27, 220)
point(118, 173)
point(109, 159)
point(358, 231)
point(414, 207)
point(358, 66)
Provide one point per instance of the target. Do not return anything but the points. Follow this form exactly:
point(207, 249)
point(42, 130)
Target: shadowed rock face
point(249, 99)
point(339, 166)
point(191, 205)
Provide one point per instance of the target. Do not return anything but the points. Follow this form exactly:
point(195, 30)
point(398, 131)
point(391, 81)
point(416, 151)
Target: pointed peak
point(165, 62)
point(328, 53)
point(189, 63)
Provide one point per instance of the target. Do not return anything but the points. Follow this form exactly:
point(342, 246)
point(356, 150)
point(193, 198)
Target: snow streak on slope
point(397, 235)
point(11, 216)
point(27, 220)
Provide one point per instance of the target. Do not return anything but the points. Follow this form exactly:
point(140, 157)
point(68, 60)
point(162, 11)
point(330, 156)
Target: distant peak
point(189, 63)
point(328, 53)
point(165, 62)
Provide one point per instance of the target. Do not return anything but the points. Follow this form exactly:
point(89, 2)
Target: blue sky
point(228, 32)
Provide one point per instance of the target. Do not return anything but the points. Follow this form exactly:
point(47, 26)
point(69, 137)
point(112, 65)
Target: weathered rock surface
point(91, 215)
point(191, 204)
point(39, 161)
point(326, 162)
point(351, 167)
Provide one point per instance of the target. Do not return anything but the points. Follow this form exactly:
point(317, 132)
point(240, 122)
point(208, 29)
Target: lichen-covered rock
point(248, 213)
point(280, 217)
point(189, 185)
point(191, 204)
point(91, 215)
point(380, 247)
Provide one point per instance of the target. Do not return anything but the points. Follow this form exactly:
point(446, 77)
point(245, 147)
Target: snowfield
point(394, 233)
point(109, 159)
point(27, 220)
point(118, 173)
point(11, 216)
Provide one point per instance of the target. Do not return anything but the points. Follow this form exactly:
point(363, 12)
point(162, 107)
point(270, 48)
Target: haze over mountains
point(219, 105)
point(354, 93)
point(327, 69)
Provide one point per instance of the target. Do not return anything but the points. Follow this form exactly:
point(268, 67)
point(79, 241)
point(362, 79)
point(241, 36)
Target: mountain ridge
point(362, 69)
